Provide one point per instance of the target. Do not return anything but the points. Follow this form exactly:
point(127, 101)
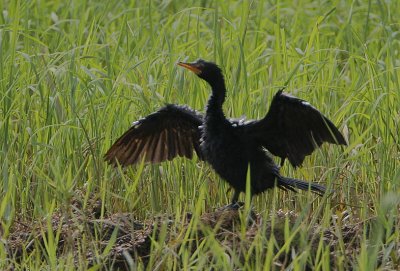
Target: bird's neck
point(217, 98)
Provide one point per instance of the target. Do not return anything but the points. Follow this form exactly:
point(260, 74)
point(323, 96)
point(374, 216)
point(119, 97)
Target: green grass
point(75, 74)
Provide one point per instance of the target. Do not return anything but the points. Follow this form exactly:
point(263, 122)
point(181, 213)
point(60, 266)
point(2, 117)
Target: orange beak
point(190, 66)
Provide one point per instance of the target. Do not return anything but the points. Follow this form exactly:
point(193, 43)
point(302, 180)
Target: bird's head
point(207, 71)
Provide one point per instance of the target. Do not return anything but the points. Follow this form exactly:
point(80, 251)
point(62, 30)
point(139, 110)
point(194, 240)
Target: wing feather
point(293, 129)
point(150, 148)
point(171, 131)
point(159, 149)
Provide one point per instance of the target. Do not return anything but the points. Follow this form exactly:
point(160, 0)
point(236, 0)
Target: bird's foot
point(251, 218)
point(234, 206)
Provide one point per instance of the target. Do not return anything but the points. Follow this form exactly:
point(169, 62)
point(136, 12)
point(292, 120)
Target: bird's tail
point(290, 184)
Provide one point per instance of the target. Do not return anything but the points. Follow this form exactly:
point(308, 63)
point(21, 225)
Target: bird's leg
point(282, 161)
point(251, 216)
point(234, 202)
point(235, 196)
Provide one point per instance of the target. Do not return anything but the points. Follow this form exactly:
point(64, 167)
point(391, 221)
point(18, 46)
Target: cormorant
point(291, 129)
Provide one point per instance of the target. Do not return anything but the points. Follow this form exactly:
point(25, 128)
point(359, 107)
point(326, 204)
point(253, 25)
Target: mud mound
point(119, 240)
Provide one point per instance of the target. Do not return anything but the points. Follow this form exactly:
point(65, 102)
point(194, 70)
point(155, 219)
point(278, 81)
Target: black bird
point(291, 129)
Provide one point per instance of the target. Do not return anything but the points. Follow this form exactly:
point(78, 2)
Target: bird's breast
point(223, 150)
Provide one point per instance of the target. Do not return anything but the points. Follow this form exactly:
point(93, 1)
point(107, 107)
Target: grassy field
point(75, 74)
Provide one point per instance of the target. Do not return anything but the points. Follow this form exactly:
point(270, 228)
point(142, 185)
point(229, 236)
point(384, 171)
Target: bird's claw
point(234, 206)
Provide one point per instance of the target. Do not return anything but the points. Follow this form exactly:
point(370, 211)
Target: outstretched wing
point(293, 129)
point(171, 131)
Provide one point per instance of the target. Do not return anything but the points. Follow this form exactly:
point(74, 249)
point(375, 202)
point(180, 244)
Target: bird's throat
point(214, 112)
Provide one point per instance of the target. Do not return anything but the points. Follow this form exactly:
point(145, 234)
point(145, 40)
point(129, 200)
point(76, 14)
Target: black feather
point(291, 129)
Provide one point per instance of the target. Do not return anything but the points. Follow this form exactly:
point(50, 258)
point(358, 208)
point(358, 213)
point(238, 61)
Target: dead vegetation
point(118, 241)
